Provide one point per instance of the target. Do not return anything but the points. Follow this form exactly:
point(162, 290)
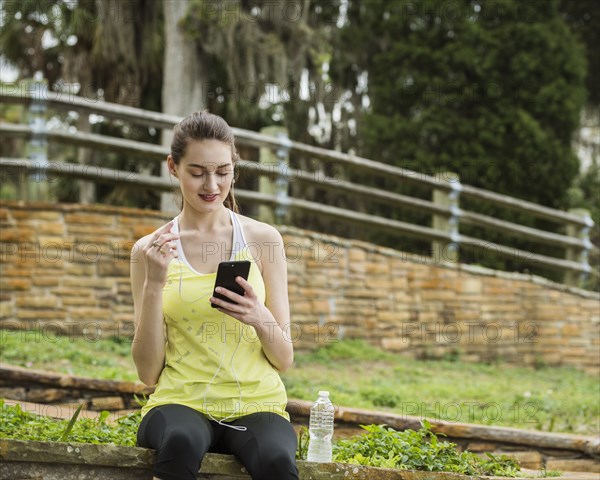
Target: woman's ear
point(171, 166)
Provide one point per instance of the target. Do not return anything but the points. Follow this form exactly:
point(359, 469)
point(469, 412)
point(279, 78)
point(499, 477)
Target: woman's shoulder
point(258, 232)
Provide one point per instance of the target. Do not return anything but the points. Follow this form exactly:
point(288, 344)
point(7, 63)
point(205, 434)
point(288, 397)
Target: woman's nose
point(210, 181)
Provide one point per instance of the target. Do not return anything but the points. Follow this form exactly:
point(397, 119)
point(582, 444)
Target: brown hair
point(199, 126)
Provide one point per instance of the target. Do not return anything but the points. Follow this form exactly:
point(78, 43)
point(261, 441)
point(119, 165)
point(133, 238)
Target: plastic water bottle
point(320, 429)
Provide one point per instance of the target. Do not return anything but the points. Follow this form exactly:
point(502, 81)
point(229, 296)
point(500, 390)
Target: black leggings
point(181, 436)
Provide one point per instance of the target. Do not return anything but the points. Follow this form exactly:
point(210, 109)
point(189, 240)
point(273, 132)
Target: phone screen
point(226, 275)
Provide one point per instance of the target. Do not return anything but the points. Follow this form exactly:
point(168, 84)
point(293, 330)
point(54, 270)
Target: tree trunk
point(185, 78)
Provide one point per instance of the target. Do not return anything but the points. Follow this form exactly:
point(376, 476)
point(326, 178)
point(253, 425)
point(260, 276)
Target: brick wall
point(65, 268)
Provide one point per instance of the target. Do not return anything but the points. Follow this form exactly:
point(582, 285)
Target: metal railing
point(274, 167)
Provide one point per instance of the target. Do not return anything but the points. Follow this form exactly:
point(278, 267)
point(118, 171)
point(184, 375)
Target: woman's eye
point(197, 174)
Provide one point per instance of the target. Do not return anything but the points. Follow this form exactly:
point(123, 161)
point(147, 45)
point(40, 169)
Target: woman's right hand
point(158, 253)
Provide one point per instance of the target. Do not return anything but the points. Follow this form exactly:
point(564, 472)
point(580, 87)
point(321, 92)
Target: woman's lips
point(209, 198)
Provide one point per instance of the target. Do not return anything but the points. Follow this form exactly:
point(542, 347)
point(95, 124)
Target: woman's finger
point(223, 305)
point(246, 286)
point(164, 242)
point(229, 294)
point(169, 246)
point(164, 238)
point(164, 229)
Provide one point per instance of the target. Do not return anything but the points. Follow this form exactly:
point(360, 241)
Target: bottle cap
point(323, 393)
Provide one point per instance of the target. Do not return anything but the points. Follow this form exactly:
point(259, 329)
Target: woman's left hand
point(249, 309)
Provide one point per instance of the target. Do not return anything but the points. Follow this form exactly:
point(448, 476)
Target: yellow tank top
point(214, 363)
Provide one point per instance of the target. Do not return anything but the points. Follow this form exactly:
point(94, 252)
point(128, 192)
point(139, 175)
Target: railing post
point(168, 199)
point(276, 162)
point(447, 251)
point(37, 147)
point(87, 189)
point(579, 254)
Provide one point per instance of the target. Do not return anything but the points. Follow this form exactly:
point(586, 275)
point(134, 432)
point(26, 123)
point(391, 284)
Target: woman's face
point(205, 174)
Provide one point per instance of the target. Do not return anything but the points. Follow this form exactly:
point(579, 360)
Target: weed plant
point(385, 447)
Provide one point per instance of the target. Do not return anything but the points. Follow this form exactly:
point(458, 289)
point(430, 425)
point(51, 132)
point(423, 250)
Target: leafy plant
point(418, 450)
point(67, 431)
point(303, 439)
point(551, 473)
point(19, 424)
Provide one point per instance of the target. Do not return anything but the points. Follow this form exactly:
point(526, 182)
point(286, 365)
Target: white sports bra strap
point(239, 240)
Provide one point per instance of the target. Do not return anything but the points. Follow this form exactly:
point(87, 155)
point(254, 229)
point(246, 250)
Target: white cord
point(220, 422)
point(240, 428)
point(181, 286)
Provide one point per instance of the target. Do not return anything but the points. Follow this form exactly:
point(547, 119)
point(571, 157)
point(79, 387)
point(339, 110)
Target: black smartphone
point(226, 275)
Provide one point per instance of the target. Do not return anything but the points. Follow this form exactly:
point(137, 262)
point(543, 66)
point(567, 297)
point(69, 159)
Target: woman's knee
point(181, 437)
point(280, 464)
point(175, 427)
point(274, 461)
point(181, 441)
point(180, 453)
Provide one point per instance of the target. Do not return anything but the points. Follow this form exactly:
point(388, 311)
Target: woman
point(215, 369)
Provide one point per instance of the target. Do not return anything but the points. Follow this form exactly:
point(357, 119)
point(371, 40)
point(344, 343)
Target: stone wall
point(65, 268)
point(74, 461)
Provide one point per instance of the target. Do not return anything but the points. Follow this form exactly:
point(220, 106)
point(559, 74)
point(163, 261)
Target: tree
point(104, 49)
point(264, 62)
point(256, 54)
point(185, 72)
point(583, 16)
point(490, 91)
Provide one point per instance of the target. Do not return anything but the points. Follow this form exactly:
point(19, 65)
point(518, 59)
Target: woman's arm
point(148, 276)
point(276, 338)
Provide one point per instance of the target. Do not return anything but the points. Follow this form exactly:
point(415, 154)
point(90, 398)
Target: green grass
point(359, 375)
point(109, 359)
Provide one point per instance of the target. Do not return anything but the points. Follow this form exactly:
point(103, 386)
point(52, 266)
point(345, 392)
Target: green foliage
point(585, 193)
point(71, 424)
point(385, 447)
point(19, 424)
point(258, 53)
point(115, 52)
point(112, 53)
point(380, 447)
point(490, 90)
point(303, 441)
point(551, 473)
point(583, 16)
